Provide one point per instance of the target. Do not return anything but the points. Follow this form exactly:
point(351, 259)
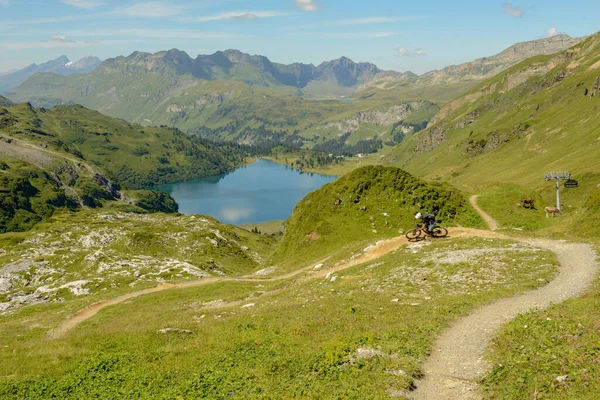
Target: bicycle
point(414, 234)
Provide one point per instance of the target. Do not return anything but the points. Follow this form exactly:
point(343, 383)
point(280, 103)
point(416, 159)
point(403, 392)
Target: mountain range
point(230, 95)
point(60, 65)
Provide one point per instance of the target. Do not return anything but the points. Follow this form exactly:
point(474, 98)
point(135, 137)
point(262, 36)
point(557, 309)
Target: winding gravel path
point(457, 359)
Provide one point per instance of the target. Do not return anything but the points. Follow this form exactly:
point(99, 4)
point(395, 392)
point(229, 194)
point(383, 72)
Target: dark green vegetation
point(551, 354)
point(72, 157)
point(368, 203)
point(359, 333)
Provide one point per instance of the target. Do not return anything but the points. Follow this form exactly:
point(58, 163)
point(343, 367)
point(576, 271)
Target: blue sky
point(394, 34)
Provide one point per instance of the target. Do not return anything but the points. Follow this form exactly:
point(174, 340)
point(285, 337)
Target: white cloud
point(150, 9)
point(306, 5)
point(61, 39)
point(513, 11)
point(402, 52)
point(86, 4)
point(239, 15)
point(551, 32)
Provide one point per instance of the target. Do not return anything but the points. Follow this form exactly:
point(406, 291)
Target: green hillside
point(539, 116)
point(369, 203)
point(73, 157)
point(222, 109)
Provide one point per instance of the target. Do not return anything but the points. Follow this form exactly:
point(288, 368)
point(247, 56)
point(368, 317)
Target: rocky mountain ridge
point(235, 65)
point(479, 69)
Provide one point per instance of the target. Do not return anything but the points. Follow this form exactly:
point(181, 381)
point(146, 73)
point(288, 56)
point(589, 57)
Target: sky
point(417, 36)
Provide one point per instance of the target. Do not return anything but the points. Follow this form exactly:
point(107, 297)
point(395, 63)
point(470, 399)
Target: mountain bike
point(414, 234)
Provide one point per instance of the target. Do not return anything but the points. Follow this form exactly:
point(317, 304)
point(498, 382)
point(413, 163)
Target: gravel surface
point(457, 358)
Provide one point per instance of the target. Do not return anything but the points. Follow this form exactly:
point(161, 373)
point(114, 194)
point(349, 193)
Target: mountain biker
point(428, 220)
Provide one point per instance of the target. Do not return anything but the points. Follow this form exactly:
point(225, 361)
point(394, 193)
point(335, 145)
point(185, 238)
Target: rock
point(175, 330)
point(248, 305)
point(318, 266)
point(337, 202)
point(561, 378)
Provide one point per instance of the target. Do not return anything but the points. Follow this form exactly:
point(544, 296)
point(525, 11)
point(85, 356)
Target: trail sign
point(571, 183)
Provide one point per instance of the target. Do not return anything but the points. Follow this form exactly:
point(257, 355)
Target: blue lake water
point(258, 192)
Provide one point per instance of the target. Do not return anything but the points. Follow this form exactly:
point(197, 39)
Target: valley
point(111, 287)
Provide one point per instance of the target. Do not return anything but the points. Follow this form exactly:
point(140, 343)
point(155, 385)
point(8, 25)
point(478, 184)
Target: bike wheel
point(439, 231)
point(413, 234)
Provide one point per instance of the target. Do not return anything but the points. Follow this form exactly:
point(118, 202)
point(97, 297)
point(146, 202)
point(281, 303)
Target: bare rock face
point(487, 67)
point(431, 139)
point(390, 116)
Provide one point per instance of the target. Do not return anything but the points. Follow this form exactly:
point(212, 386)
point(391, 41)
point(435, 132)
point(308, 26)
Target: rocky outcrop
point(387, 117)
point(431, 139)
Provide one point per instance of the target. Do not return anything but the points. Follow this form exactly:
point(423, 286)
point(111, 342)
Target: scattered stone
point(396, 372)
point(366, 353)
point(561, 378)
point(313, 236)
point(395, 300)
point(318, 266)
point(395, 392)
point(175, 330)
point(265, 271)
point(248, 305)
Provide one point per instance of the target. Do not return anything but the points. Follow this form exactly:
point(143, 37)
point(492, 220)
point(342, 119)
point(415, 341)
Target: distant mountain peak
point(60, 65)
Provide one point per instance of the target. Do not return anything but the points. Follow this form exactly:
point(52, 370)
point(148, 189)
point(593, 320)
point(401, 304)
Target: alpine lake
point(258, 192)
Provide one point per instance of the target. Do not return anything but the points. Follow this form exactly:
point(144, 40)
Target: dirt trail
point(457, 358)
point(378, 250)
point(491, 222)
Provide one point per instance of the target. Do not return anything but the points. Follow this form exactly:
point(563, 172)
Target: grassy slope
point(541, 124)
point(67, 156)
point(110, 144)
point(535, 349)
point(361, 333)
point(366, 204)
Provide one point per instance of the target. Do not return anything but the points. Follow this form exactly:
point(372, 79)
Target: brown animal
point(552, 211)
point(527, 202)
